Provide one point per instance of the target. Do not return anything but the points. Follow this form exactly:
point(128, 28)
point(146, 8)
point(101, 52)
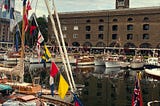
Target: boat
point(85, 60)
point(99, 60)
point(153, 73)
point(152, 62)
point(137, 62)
point(112, 61)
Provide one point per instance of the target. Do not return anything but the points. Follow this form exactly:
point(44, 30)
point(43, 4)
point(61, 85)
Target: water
point(113, 86)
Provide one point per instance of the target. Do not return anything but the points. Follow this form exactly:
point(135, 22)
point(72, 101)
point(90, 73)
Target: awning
point(5, 87)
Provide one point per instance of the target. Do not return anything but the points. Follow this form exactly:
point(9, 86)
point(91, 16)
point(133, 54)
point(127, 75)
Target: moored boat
point(154, 73)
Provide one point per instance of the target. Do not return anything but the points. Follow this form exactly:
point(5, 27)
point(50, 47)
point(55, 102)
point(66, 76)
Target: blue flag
point(24, 2)
point(77, 102)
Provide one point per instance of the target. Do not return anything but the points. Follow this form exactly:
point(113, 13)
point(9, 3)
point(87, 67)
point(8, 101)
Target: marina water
point(100, 86)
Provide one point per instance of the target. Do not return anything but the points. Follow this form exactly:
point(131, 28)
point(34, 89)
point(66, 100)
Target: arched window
point(115, 20)
point(101, 20)
point(130, 19)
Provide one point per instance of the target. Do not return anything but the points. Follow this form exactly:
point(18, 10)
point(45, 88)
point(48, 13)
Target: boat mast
point(56, 35)
point(63, 44)
point(22, 36)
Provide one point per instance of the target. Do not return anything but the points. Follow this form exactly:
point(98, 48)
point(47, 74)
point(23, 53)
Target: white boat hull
point(99, 62)
point(154, 73)
point(111, 64)
point(136, 65)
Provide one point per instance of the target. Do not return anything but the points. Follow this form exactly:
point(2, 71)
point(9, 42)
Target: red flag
point(137, 96)
point(25, 17)
point(54, 70)
point(33, 27)
point(28, 7)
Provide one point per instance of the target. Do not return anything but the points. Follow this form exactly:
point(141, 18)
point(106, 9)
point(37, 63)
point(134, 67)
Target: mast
point(56, 35)
point(63, 45)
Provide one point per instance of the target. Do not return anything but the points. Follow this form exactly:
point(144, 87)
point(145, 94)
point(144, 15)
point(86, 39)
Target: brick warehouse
point(120, 27)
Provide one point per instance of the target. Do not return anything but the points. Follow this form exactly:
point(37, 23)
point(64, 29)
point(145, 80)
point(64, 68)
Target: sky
point(81, 5)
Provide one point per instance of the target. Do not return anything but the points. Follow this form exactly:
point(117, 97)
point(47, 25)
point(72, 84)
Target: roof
point(5, 87)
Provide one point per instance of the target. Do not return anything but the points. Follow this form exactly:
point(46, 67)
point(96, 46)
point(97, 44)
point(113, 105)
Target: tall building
point(6, 37)
point(121, 27)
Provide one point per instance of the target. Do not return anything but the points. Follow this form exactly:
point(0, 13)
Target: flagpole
point(63, 45)
point(56, 35)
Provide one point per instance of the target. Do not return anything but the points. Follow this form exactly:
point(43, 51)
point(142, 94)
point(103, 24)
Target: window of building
point(115, 20)
point(88, 36)
point(129, 27)
point(75, 28)
point(88, 21)
point(99, 85)
point(101, 20)
point(88, 28)
point(114, 27)
point(75, 35)
point(146, 19)
point(114, 36)
point(99, 93)
point(145, 36)
point(100, 36)
point(64, 35)
point(129, 36)
point(146, 27)
point(64, 28)
point(101, 28)
point(130, 19)
point(75, 21)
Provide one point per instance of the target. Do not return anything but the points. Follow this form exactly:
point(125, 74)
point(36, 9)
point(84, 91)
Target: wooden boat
point(85, 60)
point(153, 73)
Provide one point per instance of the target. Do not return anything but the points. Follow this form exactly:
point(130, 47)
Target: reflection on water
point(113, 86)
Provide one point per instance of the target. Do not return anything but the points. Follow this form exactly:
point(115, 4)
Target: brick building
point(120, 27)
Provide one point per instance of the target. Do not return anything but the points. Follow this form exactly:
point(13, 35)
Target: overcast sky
point(82, 5)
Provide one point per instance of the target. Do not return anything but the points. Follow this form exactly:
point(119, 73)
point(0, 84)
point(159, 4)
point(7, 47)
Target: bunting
point(137, 96)
point(63, 87)
point(47, 54)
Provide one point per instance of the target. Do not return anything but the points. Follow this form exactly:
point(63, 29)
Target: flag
point(28, 7)
point(1, 4)
point(40, 38)
point(51, 82)
point(54, 70)
point(25, 17)
point(12, 18)
point(47, 53)
point(137, 96)
point(38, 50)
point(63, 87)
point(77, 102)
point(17, 34)
point(32, 27)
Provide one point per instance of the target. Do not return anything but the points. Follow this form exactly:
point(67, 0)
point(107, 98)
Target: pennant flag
point(63, 87)
point(137, 96)
point(17, 34)
point(77, 102)
point(51, 82)
point(33, 27)
point(54, 70)
point(7, 5)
